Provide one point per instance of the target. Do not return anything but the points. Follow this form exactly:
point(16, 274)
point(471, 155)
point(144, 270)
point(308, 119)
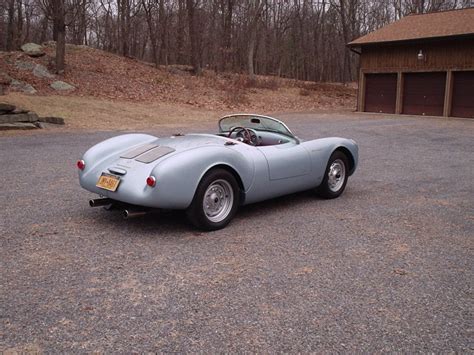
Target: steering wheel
point(247, 135)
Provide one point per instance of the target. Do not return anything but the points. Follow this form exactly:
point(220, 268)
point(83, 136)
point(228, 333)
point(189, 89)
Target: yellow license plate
point(108, 182)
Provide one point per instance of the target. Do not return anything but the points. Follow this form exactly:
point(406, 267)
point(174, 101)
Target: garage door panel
point(423, 93)
point(463, 94)
point(380, 92)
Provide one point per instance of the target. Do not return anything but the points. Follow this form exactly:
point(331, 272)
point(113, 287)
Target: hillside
point(107, 81)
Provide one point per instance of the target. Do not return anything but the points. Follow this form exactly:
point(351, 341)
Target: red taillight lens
point(151, 181)
point(81, 164)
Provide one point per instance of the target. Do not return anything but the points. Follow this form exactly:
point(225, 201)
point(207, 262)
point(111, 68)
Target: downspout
point(359, 88)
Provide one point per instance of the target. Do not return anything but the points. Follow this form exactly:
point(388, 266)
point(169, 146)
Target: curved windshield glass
point(262, 123)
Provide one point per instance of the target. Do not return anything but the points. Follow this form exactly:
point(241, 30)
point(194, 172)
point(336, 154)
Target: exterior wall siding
point(439, 56)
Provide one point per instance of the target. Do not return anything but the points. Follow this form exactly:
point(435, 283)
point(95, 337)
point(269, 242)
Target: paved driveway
point(388, 266)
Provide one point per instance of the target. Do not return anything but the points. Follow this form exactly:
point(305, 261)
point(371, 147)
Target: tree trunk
point(180, 32)
point(44, 29)
point(227, 35)
point(152, 32)
point(163, 32)
point(195, 62)
point(19, 24)
point(60, 26)
point(10, 28)
point(345, 38)
point(251, 52)
point(124, 26)
point(255, 12)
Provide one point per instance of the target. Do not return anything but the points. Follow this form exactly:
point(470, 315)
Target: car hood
point(190, 141)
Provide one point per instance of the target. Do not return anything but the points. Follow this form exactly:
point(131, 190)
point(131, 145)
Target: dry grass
point(102, 114)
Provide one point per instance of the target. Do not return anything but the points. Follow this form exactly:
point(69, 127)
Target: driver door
point(287, 160)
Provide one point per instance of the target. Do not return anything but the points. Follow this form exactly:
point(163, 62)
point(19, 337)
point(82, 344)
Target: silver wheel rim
point(336, 175)
point(218, 201)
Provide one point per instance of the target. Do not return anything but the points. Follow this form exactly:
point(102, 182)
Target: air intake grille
point(135, 152)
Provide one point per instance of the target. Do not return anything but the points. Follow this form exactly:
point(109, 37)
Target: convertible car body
point(252, 158)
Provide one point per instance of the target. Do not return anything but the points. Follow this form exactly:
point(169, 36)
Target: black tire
point(223, 184)
point(326, 190)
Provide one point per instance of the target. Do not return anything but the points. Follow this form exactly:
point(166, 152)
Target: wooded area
point(301, 39)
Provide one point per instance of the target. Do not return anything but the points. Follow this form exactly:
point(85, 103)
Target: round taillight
point(151, 181)
point(81, 164)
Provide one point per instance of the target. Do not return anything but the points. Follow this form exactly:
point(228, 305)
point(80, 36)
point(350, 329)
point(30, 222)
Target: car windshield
point(257, 122)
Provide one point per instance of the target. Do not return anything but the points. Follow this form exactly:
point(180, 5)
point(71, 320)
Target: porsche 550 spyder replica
point(252, 158)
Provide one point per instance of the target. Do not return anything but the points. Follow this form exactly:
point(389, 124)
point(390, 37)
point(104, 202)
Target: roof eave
point(355, 44)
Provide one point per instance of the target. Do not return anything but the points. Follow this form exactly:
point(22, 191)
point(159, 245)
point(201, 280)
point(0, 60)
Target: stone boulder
point(41, 71)
point(33, 49)
point(6, 108)
point(62, 86)
point(19, 117)
point(17, 125)
point(12, 117)
point(52, 120)
point(22, 86)
point(24, 65)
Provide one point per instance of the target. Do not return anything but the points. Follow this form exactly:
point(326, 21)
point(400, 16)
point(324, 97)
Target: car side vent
point(154, 154)
point(135, 152)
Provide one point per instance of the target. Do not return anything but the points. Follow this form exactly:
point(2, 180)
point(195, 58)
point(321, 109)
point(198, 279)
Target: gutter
point(352, 49)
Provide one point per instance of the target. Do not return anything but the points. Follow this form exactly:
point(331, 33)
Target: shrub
point(305, 92)
point(261, 83)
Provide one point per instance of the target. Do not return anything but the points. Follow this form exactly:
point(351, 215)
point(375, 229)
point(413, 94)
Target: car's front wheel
point(335, 176)
point(216, 200)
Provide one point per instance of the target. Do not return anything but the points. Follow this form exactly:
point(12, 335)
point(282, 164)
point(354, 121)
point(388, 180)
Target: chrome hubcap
point(218, 200)
point(336, 175)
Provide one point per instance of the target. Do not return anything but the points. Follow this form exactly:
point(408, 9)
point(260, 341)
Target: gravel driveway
point(388, 266)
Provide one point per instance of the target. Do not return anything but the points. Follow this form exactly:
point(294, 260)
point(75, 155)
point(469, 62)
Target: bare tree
point(302, 39)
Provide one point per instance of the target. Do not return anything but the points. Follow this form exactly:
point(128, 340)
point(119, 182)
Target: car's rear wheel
point(335, 176)
point(216, 200)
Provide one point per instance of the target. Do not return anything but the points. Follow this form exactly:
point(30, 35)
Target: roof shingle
point(414, 27)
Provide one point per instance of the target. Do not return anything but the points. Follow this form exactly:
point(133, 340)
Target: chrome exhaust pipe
point(100, 202)
point(127, 214)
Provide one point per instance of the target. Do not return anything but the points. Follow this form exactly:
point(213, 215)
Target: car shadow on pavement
point(287, 202)
point(161, 222)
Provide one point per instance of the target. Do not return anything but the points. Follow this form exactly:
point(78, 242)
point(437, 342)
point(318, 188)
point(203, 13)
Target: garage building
point(419, 65)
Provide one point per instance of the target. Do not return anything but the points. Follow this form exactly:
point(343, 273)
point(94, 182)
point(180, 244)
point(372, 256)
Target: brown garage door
point(423, 93)
point(463, 94)
point(380, 92)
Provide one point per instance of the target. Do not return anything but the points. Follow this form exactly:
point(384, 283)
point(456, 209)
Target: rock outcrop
point(41, 71)
point(14, 118)
point(62, 86)
point(22, 86)
point(38, 70)
point(33, 49)
point(6, 108)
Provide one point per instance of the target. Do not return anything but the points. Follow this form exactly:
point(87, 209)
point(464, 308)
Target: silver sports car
point(251, 159)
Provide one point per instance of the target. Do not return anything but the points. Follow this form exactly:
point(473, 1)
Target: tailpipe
point(100, 202)
point(127, 214)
